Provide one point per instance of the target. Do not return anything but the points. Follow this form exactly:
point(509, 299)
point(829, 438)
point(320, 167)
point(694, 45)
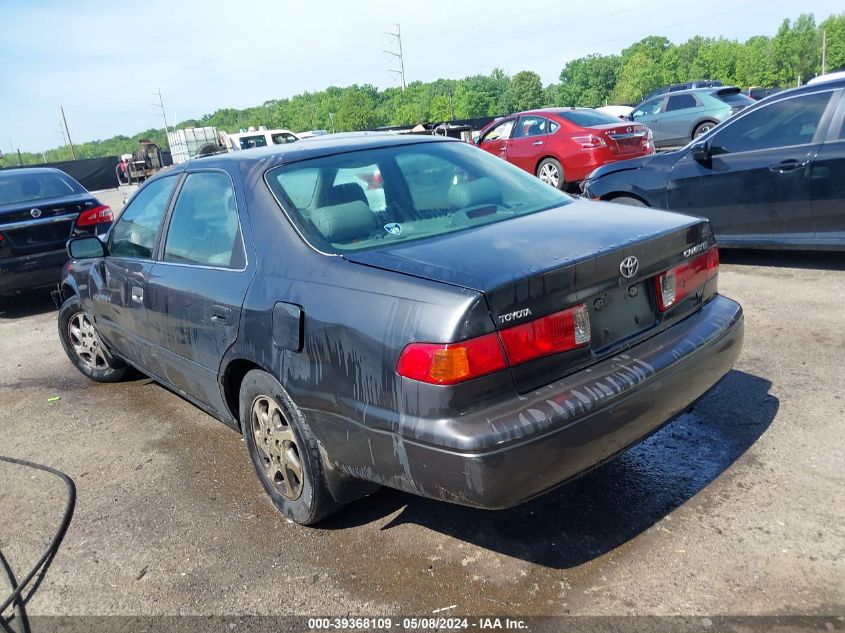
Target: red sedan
point(562, 145)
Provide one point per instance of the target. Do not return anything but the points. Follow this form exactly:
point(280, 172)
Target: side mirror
point(85, 248)
point(700, 152)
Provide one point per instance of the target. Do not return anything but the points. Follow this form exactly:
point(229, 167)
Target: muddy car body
point(476, 352)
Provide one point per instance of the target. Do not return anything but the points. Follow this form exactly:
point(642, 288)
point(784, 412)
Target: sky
point(103, 61)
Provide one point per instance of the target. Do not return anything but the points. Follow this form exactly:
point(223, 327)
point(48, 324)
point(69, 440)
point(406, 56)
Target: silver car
point(678, 117)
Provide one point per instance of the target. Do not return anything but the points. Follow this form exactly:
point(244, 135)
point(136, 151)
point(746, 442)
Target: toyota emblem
point(36, 213)
point(629, 267)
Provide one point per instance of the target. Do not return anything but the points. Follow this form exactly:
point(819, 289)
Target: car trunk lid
point(624, 138)
point(540, 264)
point(40, 226)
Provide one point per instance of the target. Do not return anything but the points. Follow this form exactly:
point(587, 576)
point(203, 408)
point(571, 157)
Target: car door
point(118, 282)
point(680, 113)
point(495, 140)
point(827, 183)
point(197, 285)
point(755, 185)
point(527, 143)
point(649, 114)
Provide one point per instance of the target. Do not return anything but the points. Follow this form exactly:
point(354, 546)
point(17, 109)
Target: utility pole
point(160, 105)
point(824, 50)
point(398, 37)
point(70, 142)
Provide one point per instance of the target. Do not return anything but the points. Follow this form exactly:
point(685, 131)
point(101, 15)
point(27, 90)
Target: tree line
point(789, 58)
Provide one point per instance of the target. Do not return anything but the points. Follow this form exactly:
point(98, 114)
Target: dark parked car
point(481, 339)
point(562, 145)
point(40, 208)
point(772, 177)
point(676, 118)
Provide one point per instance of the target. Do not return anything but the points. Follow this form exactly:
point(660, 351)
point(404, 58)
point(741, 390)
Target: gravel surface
point(735, 508)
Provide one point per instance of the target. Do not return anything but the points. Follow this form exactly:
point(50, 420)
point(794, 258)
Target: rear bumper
point(34, 271)
point(503, 455)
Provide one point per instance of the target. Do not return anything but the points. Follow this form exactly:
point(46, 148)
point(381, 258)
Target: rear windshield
point(377, 197)
point(588, 118)
point(22, 186)
point(736, 99)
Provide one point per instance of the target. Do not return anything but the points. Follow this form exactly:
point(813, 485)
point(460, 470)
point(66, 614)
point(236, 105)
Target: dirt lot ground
point(735, 508)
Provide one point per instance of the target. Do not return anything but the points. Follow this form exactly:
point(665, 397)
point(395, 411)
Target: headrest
point(347, 192)
point(344, 222)
point(475, 193)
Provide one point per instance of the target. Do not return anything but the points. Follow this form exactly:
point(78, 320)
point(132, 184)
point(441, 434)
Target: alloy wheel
point(277, 447)
point(550, 174)
point(85, 342)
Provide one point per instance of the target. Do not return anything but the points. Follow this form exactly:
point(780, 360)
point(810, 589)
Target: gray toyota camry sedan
point(402, 311)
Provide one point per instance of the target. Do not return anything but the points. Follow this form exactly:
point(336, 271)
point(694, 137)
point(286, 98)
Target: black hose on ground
point(17, 597)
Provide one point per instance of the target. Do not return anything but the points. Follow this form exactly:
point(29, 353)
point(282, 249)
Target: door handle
point(137, 294)
point(537, 143)
point(788, 165)
point(221, 314)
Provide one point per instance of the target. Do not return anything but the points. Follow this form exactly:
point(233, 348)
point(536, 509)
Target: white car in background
point(620, 111)
point(262, 137)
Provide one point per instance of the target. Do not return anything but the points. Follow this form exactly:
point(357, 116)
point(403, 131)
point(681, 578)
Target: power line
point(398, 37)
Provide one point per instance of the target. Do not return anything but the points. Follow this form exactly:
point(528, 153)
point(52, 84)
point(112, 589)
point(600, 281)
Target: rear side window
point(587, 118)
point(780, 124)
point(25, 186)
point(681, 102)
point(426, 189)
point(204, 226)
point(134, 234)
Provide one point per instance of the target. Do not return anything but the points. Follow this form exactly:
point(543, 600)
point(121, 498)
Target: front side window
point(429, 189)
point(283, 137)
point(499, 133)
point(134, 233)
point(780, 124)
point(680, 102)
point(204, 226)
point(531, 126)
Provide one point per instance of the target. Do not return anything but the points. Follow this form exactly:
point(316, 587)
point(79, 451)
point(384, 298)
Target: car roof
point(827, 84)
point(313, 147)
point(30, 170)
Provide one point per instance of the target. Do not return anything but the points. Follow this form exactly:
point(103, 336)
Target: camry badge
point(629, 267)
point(36, 213)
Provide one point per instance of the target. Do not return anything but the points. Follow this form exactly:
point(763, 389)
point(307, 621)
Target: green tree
point(588, 81)
point(525, 91)
point(834, 27)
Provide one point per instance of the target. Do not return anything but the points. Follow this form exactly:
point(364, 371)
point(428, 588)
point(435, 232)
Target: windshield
point(378, 197)
point(736, 99)
point(23, 186)
point(588, 118)
point(248, 142)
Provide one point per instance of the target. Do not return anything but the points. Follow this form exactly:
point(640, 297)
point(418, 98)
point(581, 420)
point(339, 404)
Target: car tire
point(83, 346)
point(550, 172)
point(283, 450)
point(702, 128)
point(633, 202)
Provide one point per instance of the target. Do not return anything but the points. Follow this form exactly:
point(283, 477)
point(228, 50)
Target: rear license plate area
point(621, 314)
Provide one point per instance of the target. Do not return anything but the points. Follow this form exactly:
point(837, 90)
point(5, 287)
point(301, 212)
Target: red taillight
point(450, 363)
point(590, 141)
point(550, 334)
point(678, 282)
point(97, 215)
